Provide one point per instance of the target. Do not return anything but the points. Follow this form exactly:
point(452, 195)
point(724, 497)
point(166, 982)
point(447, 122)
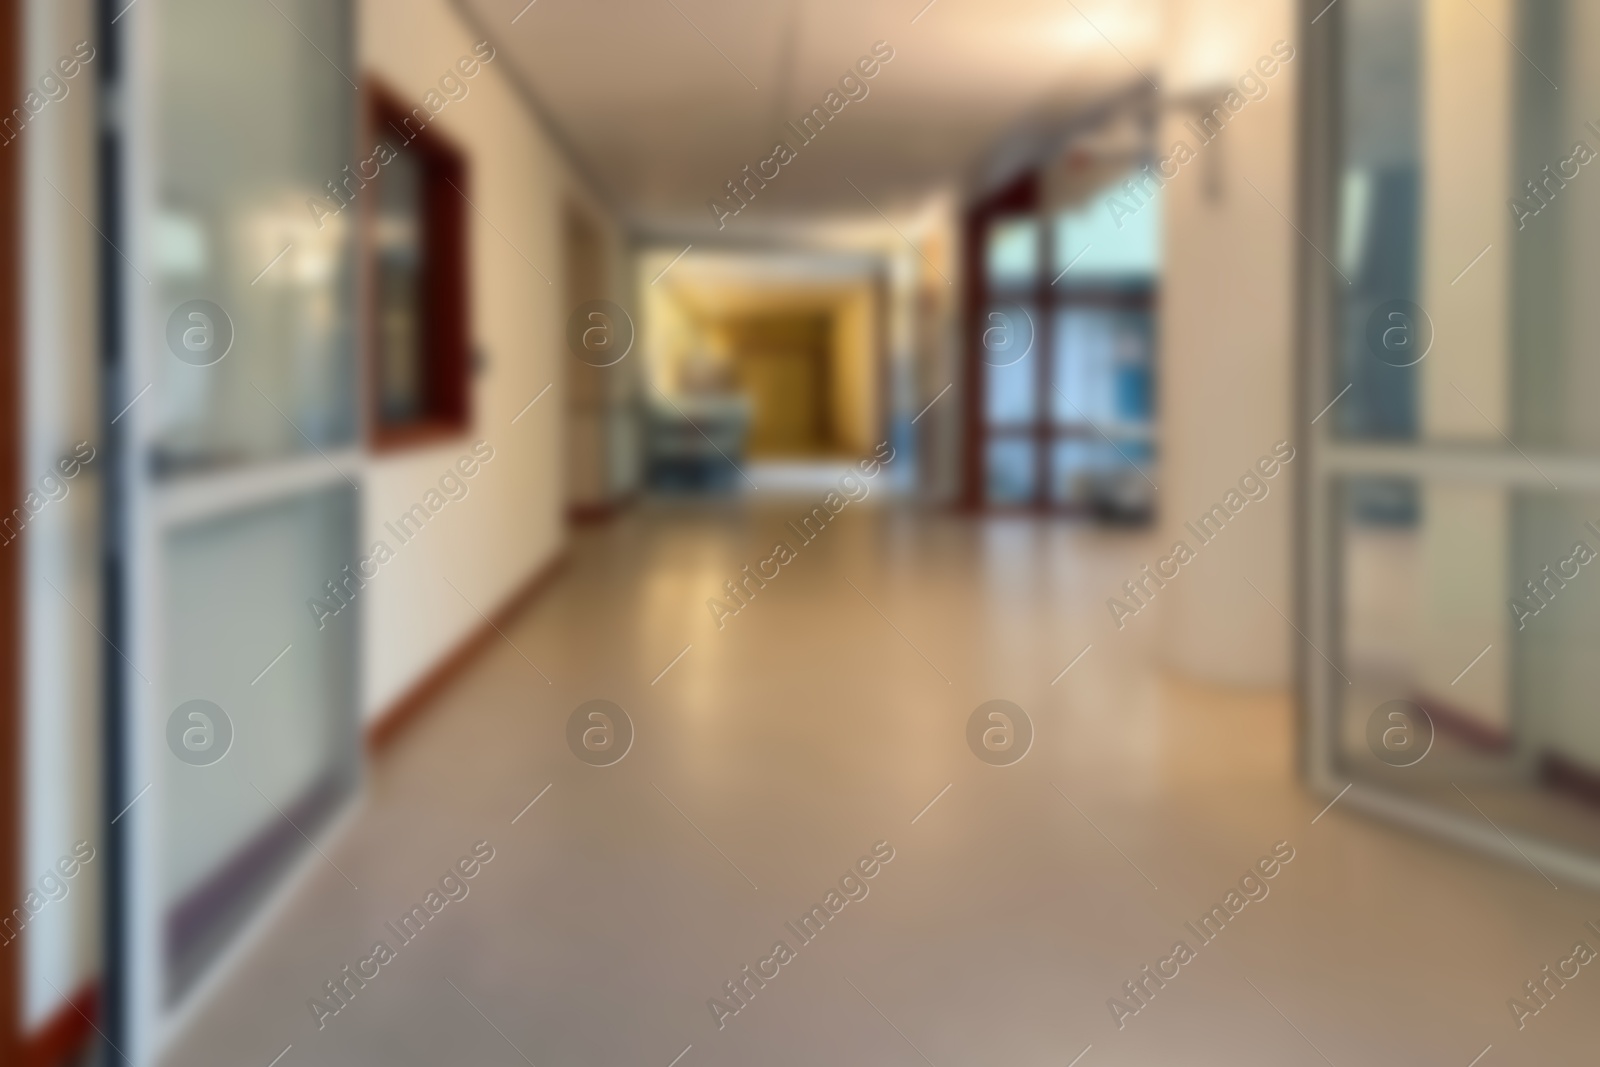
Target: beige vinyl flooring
point(820, 720)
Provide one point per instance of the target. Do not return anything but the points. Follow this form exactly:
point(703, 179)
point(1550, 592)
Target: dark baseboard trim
point(1565, 775)
point(1462, 725)
point(67, 1031)
point(601, 511)
point(393, 720)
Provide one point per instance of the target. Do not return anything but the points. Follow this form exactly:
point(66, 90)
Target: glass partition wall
point(1452, 508)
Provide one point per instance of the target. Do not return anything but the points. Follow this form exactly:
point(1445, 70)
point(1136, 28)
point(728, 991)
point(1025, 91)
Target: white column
point(1227, 360)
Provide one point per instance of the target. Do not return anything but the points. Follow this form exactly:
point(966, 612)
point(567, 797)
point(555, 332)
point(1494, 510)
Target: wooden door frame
point(11, 444)
point(1020, 196)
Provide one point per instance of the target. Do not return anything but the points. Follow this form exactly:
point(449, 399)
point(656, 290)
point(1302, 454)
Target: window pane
point(1011, 393)
point(397, 238)
point(1113, 238)
point(1092, 475)
point(1378, 224)
point(1011, 470)
point(256, 128)
point(1485, 246)
point(1072, 467)
point(1102, 367)
point(1012, 258)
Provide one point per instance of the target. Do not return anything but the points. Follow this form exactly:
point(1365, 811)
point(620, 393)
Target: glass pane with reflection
point(1454, 333)
point(253, 231)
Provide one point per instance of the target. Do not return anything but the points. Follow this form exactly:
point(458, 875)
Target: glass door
point(1064, 344)
point(233, 724)
point(1453, 507)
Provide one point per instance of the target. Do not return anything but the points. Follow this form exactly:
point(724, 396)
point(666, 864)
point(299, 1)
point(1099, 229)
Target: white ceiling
point(662, 120)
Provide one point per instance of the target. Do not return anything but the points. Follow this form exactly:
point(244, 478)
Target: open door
point(232, 422)
point(1453, 489)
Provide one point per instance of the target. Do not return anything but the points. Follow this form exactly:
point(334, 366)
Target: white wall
point(1227, 352)
point(511, 522)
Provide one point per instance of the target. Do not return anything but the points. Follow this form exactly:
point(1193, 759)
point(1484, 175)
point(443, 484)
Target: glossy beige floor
point(821, 719)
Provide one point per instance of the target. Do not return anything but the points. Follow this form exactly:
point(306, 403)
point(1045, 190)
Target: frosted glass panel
point(254, 123)
point(236, 600)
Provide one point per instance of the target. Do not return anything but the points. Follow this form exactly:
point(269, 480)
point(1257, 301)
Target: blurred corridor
point(676, 533)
